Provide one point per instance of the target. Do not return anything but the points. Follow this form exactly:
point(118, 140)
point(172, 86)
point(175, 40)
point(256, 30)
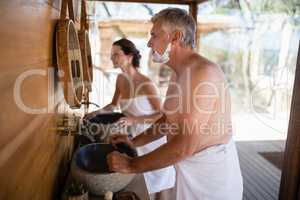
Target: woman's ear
point(130, 58)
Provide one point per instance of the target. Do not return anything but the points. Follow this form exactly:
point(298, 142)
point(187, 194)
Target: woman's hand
point(127, 121)
point(122, 126)
point(89, 115)
point(95, 113)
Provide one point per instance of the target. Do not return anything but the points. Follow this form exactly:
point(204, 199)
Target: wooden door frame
point(290, 177)
point(193, 7)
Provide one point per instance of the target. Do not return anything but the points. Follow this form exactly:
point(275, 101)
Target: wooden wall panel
point(33, 158)
point(290, 177)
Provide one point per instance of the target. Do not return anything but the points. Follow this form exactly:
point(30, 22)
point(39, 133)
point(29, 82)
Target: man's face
point(159, 38)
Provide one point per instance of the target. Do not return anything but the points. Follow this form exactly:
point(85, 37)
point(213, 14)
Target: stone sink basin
point(89, 167)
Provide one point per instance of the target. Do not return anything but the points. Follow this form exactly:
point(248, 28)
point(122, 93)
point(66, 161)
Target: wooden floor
point(261, 177)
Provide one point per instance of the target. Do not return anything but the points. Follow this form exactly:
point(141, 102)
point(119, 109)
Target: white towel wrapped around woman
point(156, 180)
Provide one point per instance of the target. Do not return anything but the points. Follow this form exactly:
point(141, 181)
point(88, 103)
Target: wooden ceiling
point(185, 2)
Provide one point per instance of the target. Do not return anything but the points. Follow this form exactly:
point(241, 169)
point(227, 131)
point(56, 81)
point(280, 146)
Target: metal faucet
point(68, 125)
point(71, 125)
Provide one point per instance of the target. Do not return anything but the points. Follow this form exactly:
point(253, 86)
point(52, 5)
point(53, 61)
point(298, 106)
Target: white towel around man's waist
point(156, 180)
point(212, 174)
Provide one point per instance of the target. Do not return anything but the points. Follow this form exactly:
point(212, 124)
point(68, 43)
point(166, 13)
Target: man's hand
point(120, 138)
point(118, 162)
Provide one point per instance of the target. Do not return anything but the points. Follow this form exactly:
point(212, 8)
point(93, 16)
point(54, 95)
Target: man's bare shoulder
point(202, 68)
point(198, 59)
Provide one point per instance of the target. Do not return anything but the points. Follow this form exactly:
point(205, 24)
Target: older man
point(197, 120)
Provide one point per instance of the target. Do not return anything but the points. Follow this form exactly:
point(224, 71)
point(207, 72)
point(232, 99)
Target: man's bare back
point(200, 79)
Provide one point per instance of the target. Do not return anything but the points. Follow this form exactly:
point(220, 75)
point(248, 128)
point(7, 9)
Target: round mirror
point(86, 59)
point(70, 62)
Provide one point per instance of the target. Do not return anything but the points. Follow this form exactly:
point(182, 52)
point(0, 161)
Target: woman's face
point(118, 58)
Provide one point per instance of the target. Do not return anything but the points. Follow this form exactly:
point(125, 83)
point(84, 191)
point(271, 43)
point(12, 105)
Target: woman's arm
point(110, 106)
point(116, 97)
point(157, 120)
point(114, 101)
point(149, 90)
point(117, 93)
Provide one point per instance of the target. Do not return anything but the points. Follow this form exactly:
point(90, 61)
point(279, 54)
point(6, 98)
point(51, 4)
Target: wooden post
point(290, 178)
point(193, 9)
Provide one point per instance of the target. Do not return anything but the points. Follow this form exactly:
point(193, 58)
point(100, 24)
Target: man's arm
point(151, 134)
point(181, 146)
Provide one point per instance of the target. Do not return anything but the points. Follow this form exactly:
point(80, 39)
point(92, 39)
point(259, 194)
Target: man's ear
point(177, 37)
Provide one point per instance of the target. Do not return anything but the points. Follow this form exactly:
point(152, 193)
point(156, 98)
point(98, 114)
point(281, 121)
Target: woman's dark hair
point(129, 49)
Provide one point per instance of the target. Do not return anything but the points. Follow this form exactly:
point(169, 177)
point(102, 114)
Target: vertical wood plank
point(290, 179)
point(33, 157)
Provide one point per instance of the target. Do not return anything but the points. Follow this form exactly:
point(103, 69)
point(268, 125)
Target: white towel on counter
point(156, 180)
point(212, 174)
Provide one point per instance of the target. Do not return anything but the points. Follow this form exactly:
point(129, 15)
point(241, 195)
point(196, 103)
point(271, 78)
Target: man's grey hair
point(178, 19)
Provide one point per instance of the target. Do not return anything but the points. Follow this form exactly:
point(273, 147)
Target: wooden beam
point(193, 9)
point(290, 179)
point(141, 27)
point(181, 2)
point(199, 1)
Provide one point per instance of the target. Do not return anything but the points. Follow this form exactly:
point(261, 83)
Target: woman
point(138, 100)
point(130, 84)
